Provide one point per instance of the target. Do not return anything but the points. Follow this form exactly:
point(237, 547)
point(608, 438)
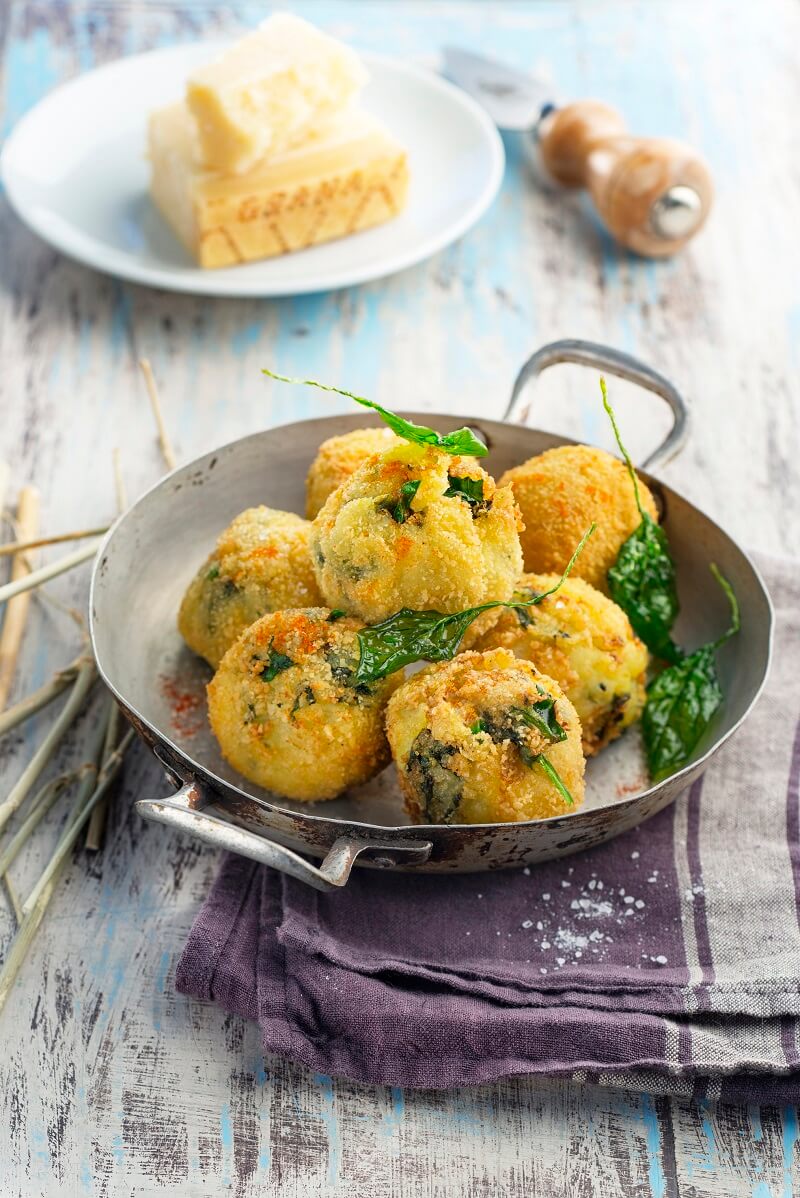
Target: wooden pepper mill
point(652, 193)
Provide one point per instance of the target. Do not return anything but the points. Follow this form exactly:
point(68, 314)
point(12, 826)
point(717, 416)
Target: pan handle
point(614, 361)
point(188, 811)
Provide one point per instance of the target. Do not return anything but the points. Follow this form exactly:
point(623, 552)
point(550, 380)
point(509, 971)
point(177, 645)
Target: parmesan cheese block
point(269, 91)
point(351, 176)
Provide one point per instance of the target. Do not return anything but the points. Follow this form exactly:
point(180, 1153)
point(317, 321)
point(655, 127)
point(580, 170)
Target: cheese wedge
point(349, 177)
point(269, 91)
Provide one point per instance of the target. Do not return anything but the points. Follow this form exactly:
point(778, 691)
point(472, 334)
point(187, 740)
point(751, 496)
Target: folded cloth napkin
point(667, 960)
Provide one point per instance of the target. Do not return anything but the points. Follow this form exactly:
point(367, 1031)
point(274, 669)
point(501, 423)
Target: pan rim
point(198, 772)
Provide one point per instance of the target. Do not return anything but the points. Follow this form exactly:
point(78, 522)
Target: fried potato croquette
point(560, 492)
point(338, 458)
point(262, 563)
point(286, 713)
point(582, 640)
point(467, 739)
point(418, 528)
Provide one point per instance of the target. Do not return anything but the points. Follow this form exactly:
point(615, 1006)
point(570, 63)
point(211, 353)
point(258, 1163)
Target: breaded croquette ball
point(584, 641)
point(475, 740)
point(338, 458)
point(560, 492)
point(286, 713)
point(261, 563)
point(415, 527)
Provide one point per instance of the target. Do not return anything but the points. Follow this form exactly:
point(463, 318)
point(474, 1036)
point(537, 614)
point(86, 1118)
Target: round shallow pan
point(153, 551)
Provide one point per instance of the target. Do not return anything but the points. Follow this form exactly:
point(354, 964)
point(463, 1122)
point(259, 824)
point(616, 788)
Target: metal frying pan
point(153, 551)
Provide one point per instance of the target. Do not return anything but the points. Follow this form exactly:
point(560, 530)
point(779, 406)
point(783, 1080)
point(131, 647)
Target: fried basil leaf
point(642, 580)
point(680, 704)
point(642, 583)
point(400, 509)
point(410, 636)
point(682, 700)
point(462, 442)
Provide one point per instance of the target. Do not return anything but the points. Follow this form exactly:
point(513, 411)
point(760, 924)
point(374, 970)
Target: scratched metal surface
point(109, 1083)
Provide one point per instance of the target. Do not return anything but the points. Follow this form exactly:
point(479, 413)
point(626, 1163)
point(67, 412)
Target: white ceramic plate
point(74, 169)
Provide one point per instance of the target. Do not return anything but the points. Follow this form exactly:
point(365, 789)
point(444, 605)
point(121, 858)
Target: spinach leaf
point(642, 583)
point(343, 673)
point(410, 636)
point(400, 509)
point(276, 663)
point(507, 726)
point(682, 700)
point(511, 726)
point(213, 572)
point(462, 441)
point(478, 727)
point(305, 697)
point(541, 716)
point(524, 614)
point(642, 580)
point(439, 788)
point(468, 489)
point(555, 778)
point(336, 614)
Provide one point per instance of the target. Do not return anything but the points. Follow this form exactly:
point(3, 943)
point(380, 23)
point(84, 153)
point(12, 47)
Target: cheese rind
point(270, 91)
point(351, 176)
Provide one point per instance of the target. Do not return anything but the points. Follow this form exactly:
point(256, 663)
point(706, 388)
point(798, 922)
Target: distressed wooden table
point(110, 1083)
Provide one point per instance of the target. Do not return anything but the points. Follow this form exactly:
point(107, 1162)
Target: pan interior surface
point(153, 552)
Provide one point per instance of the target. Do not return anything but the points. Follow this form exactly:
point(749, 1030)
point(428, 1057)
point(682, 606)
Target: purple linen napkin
point(667, 960)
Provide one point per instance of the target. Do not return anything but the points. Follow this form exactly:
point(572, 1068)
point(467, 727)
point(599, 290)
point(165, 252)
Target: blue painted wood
point(110, 1082)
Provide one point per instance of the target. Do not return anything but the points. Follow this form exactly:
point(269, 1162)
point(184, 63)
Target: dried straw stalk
point(16, 614)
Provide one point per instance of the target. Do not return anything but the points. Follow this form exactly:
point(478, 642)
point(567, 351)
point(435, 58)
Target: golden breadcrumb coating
point(392, 536)
point(261, 563)
point(285, 712)
point(465, 753)
point(560, 492)
point(338, 458)
point(582, 640)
